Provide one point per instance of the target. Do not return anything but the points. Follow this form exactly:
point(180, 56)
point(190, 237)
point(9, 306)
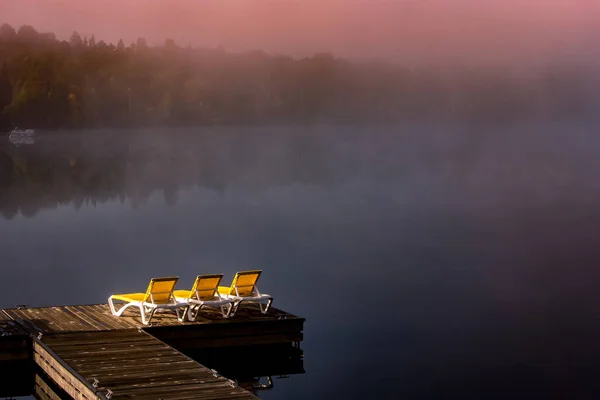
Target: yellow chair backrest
point(206, 286)
point(244, 282)
point(160, 290)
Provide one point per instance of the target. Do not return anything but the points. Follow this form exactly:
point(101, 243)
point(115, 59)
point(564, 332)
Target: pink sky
point(414, 31)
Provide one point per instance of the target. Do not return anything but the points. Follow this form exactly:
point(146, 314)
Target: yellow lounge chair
point(159, 295)
point(204, 293)
point(244, 288)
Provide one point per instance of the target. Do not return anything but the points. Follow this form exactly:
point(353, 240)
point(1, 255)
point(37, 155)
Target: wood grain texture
point(133, 364)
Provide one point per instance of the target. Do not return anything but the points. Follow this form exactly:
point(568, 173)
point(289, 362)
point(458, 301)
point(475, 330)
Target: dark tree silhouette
point(5, 88)
point(7, 33)
point(48, 83)
point(75, 40)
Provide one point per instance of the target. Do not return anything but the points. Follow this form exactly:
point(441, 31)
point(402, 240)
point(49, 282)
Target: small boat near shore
point(22, 140)
point(17, 134)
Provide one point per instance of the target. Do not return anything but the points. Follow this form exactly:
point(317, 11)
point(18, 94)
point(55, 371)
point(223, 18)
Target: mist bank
point(87, 82)
point(412, 32)
point(431, 166)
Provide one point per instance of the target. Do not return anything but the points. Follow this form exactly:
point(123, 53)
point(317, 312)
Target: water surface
point(429, 261)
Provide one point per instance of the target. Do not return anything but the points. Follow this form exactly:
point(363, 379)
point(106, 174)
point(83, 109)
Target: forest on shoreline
point(88, 83)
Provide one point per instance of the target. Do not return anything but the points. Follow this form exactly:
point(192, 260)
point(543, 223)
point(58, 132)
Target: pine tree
point(7, 33)
point(76, 40)
point(5, 88)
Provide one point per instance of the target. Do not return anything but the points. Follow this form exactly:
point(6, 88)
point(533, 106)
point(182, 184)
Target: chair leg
point(111, 306)
point(197, 309)
point(264, 311)
point(226, 309)
point(118, 312)
point(191, 316)
point(150, 315)
point(143, 314)
point(181, 317)
point(235, 306)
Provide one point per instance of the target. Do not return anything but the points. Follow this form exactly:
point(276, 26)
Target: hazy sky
point(418, 31)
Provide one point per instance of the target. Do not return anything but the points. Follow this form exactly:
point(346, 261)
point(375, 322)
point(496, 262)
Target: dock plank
point(133, 364)
point(8, 327)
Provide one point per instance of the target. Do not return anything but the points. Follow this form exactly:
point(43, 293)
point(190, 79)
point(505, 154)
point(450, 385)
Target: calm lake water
point(429, 261)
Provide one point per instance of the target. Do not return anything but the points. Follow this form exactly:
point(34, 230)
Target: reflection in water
point(102, 166)
point(22, 141)
point(428, 261)
point(255, 368)
point(45, 388)
point(16, 378)
point(25, 382)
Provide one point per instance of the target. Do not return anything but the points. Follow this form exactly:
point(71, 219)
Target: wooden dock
point(87, 353)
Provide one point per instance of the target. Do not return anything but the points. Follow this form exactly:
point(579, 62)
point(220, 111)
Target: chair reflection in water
point(271, 364)
point(255, 384)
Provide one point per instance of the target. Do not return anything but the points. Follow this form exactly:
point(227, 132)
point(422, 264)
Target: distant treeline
point(84, 82)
